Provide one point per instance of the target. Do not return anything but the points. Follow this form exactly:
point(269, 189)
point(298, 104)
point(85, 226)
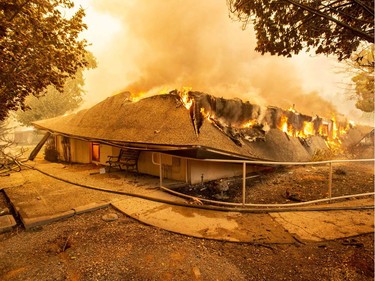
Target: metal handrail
point(244, 162)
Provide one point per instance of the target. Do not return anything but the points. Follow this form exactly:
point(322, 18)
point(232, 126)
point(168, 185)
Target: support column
point(244, 183)
point(39, 146)
point(160, 170)
point(330, 182)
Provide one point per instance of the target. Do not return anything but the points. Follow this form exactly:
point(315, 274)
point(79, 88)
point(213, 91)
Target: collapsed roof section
point(243, 121)
point(210, 128)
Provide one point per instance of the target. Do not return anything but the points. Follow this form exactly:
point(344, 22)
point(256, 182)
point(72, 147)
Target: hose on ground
point(205, 207)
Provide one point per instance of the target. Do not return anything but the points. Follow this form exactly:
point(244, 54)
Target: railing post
point(244, 184)
point(330, 182)
point(160, 170)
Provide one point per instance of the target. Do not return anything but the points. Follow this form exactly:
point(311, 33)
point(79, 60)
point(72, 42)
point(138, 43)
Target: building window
point(95, 152)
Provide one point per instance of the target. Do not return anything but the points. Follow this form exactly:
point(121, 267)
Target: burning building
point(173, 133)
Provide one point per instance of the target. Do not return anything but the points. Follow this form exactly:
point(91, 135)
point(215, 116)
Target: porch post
point(160, 170)
point(330, 181)
point(244, 183)
point(186, 171)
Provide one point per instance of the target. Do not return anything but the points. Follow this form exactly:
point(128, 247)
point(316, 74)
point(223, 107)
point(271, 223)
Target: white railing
point(244, 163)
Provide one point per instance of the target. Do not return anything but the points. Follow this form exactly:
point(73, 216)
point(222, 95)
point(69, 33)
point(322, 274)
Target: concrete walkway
point(39, 199)
point(275, 227)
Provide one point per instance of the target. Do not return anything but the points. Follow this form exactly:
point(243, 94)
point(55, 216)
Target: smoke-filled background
point(151, 46)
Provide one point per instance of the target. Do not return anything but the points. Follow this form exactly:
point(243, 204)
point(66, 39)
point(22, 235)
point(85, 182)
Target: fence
point(268, 163)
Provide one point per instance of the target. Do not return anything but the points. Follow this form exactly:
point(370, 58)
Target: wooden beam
point(38, 147)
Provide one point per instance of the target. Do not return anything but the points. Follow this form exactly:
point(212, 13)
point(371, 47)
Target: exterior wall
point(145, 164)
point(207, 171)
point(59, 148)
point(105, 151)
point(176, 168)
point(80, 151)
point(173, 167)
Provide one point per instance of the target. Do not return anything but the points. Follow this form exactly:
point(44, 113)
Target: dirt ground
point(87, 247)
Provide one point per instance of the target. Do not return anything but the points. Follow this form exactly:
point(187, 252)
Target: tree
point(361, 65)
point(54, 103)
point(364, 89)
point(39, 47)
point(285, 27)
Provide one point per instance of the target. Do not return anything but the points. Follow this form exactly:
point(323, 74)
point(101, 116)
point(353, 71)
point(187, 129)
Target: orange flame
point(323, 130)
point(249, 124)
point(330, 130)
point(333, 140)
point(185, 98)
point(204, 113)
point(308, 129)
point(207, 115)
point(136, 97)
point(283, 126)
point(292, 109)
point(334, 128)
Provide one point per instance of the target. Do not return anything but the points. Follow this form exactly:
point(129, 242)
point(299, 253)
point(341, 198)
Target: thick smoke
point(168, 44)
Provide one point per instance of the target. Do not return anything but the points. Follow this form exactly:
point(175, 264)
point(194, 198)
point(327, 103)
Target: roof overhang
point(187, 151)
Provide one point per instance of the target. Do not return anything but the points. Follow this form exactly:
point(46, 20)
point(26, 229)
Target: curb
point(38, 221)
point(7, 222)
point(90, 207)
point(43, 220)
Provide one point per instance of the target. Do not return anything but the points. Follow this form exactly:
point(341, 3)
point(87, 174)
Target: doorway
point(95, 152)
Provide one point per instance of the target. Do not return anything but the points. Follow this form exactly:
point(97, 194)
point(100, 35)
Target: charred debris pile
point(245, 122)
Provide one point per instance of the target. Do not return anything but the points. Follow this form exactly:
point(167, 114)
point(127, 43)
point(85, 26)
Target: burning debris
point(245, 122)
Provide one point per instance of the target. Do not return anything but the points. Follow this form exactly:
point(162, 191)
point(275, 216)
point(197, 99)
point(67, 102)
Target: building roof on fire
point(162, 121)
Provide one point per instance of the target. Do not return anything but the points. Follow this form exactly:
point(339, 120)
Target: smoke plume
point(165, 45)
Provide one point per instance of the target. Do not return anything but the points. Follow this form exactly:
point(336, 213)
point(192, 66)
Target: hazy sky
point(153, 45)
